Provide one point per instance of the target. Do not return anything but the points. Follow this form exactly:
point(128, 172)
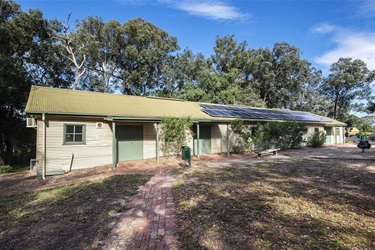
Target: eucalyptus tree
point(276, 78)
point(99, 65)
point(222, 81)
point(312, 100)
point(349, 80)
point(279, 75)
point(229, 54)
point(73, 48)
point(179, 70)
point(213, 87)
point(28, 55)
point(140, 51)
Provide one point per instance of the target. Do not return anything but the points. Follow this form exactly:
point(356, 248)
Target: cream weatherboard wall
point(149, 140)
point(310, 131)
point(219, 138)
point(335, 135)
point(96, 151)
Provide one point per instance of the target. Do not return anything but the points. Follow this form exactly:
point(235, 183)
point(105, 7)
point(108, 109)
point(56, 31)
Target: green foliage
point(279, 75)
point(242, 132)
point(287, 134)
point(371, 107)
point(174, 133)
point(349, 80)
point(312, 100)
point(279, 134)
point(318, 139)
point(259, 136)
point(141, 51)
point(5, 168)
point(363, 124)
point(138, 58)
point(366, 127)
point(29, 55)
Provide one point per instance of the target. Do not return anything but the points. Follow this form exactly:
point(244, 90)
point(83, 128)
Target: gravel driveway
point(347, 151)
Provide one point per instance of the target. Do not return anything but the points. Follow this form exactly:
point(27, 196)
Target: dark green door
point(204, 140)
point(129, 142)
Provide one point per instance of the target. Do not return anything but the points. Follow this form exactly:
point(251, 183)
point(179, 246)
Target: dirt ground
point(89, 209)
point(300, 199)
point(26, 181)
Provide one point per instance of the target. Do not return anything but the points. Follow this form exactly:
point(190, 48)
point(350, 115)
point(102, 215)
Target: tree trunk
point(335, 108)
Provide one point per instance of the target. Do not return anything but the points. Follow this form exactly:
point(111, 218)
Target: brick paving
point(150, 222)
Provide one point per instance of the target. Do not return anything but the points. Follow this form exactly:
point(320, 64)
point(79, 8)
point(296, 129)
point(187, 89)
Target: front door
point(204, 140)
point(129, 142)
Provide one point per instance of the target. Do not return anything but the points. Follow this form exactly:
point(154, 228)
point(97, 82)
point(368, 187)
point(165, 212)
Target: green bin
point(186, 154)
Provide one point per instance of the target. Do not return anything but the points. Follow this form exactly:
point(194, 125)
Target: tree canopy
point(349, 80)
point(29, 54)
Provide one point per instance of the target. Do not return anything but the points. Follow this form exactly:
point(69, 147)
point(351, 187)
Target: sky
point(324, 30)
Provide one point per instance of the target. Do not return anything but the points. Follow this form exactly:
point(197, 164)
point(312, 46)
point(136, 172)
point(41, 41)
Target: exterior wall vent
point(31, 123)
point(99, 125)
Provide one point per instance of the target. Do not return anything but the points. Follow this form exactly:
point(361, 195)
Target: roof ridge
point(166, 98)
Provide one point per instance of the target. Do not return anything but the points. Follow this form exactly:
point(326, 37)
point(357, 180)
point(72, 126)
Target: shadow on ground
point(315, 201)
point(70, 217)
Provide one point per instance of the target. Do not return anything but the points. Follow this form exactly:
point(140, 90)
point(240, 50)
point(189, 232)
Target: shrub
point(264, 135)
point(242, 133)
point(285, 134)
point(5, 168)
point(238, 149)
point(318, 139)
point(174, 133)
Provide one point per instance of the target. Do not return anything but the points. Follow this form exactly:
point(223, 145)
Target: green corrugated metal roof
point(335, 123)
point(76, 102)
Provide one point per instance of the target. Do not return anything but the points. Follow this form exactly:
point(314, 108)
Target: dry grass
point(285, 203)
point(77, 216)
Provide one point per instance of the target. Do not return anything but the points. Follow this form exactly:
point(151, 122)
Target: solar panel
point(257, 113)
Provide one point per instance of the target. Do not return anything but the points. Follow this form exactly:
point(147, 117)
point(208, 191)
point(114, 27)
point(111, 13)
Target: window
point(316, 130)
point(74, 134)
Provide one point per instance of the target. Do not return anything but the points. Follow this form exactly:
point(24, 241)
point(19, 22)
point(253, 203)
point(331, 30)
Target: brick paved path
point(150, 223)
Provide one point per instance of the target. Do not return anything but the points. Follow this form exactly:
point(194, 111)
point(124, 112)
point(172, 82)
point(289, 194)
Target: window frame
point(83, 142)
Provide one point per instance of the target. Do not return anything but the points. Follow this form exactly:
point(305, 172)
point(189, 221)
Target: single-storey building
point(81, 129)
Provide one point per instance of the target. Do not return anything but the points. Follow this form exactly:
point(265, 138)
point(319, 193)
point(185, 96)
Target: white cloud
point(211, 9)
point(207, 8)
point(349, 43)
point(323, 28)
point(365, 8)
